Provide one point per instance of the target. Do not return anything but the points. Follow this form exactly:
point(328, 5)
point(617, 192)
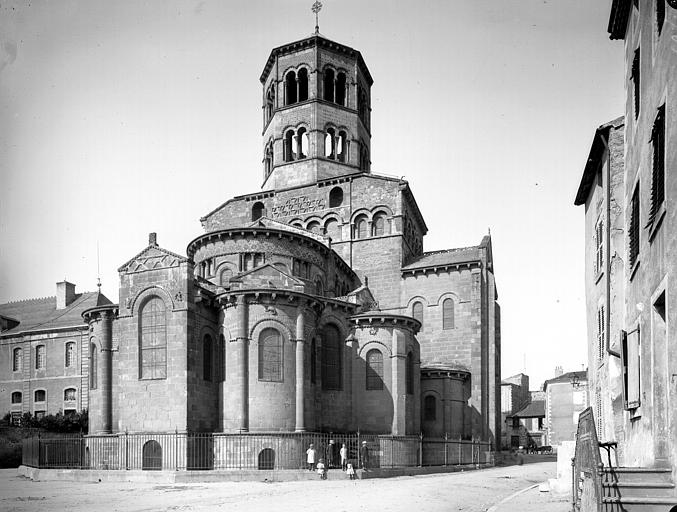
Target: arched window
point(378, 224)
point(448, 314)
point(328, 84)
point(364, 158)
point(225, 276)
point(289, 146)
point(374, 370)
point(17, 397)
point(40, 357)
point(69, 354)
point(303, 84)
point(330, 143)
point(302, 143)
point(207, 348)
point(257, 210)
point(153, 340)
point(417, 312)
point(313, 361)
point(40, 395)
point(342, 147)
point(335, 197)
point(270, 356)
point(319, 287)
point(267, 459)
point(69, 394)
point(362, 105)
point(290, 88)
point(93, 367)
point(333, 230)
point(410, 374)
point(361, 227)
point(331, 358)
point(221, 359)
point(429, 408)
point(341, 89)
point(17, 360)
point(270, 102)
point(151, 456)
point(268, 159)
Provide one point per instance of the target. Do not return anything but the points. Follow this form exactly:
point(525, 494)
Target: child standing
point(344, 456)
point(310, 457)
point(350, 470)
point(321, 470)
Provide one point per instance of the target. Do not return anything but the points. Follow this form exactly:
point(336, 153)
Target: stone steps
point(638, 490)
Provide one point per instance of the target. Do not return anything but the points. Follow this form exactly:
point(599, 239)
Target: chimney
point(65, 294)
point(558, 371)
point(152, 238)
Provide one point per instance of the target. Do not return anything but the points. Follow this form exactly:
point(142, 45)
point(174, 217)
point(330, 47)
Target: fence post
point(126, 450)
point(176, 448)
point(359, 449)
point(460, 450)
point(420, 449)
point(446, 439)
point(39, 452)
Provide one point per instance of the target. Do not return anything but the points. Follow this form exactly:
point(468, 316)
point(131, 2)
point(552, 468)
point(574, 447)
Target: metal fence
point(265, 451)
point(587, 463)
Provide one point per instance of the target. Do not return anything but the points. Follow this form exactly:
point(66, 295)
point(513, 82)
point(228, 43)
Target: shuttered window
point(601, 334)
point(635, 77)
point(599, 245)
point(658, 166)
point(633, 232)
point(631, 369)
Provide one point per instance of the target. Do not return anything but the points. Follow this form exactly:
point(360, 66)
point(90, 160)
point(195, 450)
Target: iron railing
point(586, 478)
point(250, 451)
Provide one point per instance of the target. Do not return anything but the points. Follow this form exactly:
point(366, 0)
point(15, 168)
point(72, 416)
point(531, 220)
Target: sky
point(122, 118)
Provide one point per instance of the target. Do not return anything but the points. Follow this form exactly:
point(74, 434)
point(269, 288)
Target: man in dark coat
point(329, 454)
point(364, 455)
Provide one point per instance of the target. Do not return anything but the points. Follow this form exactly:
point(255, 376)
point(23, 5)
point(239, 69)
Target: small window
point(330, 143)
point(17, 360)
point(302, 143)
point(70, 354)
point(361, 227)
point(267, 459)
point(410, 374)
point(40, 357)
point(378, 224)
point(257, 210)
point(40, 395)
point(328, 83)
point(151, 456)
point(374, 370)
point(314, 227)
point(270, 356)
point(335, 197)
point(93, 367)
point(16, 397)
point(635, 77)
point(448, 314)
point(342, 147)
point(303, 84)
point(599, 244)
point(290, 88)
point(658, 167)
point(417, 312)
point(601, 334)
point(226, 275)
point(341, 89)
point(289, 146)
point(429, 408)
point(207, 358)
point(319, 287)
point(69, 394)
point(633, 232)
point(515, 422)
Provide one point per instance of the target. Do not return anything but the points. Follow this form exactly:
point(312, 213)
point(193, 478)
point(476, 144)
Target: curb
point(495, 507)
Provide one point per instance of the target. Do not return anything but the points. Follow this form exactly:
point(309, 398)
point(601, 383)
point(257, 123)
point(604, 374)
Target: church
point(306, 306)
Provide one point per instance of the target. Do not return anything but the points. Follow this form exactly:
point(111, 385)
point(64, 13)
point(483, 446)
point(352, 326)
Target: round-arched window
point(335, 197)
point(257, 210)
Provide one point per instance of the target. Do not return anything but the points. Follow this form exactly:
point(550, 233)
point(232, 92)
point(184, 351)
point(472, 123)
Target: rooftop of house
point(581, 376)
point(42, 314)
point(535, 409)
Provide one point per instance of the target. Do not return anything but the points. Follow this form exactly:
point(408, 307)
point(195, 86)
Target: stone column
point(106, 373)
point(243, 361)
point(300, 370)
point(398, 362)
point(350, 359)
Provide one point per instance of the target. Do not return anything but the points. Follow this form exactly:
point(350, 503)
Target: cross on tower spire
point(317, 6)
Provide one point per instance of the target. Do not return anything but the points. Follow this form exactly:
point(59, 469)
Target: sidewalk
point(532, 500)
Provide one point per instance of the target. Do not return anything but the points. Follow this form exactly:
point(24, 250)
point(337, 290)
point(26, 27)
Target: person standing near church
point(344, 456)
point(311, 453)
point(364, 455)
point(329, 454)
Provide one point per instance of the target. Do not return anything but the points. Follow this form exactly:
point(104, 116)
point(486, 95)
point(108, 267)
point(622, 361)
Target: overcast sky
point(118, 118)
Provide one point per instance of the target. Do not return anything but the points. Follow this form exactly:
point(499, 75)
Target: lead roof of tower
point(310, 42)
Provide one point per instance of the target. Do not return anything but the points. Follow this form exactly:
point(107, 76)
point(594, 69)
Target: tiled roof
point(446, 257)
point(444, 365)
point(41, 314)
point(535, 409)
point(568, 377)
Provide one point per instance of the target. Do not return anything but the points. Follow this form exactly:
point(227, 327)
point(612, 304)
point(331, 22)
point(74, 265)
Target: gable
point(152, 258)
point(267, 276)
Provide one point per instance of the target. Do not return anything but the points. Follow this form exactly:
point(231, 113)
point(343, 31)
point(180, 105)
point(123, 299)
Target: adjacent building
point(566, 396)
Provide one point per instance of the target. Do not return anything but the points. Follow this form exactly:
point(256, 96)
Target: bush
point(70, 423)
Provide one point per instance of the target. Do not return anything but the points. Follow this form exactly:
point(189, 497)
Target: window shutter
point(633, 369)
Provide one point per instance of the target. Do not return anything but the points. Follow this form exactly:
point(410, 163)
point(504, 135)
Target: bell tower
point(316, 113)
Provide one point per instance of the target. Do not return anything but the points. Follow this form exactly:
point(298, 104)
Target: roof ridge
point(28, 300)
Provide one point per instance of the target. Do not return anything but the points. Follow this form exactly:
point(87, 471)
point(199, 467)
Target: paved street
point(468, 491)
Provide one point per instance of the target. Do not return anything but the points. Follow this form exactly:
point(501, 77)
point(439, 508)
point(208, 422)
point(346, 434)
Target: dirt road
point(468, 491)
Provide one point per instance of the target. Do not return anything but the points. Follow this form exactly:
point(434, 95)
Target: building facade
point(310, 304)
point(566, 396)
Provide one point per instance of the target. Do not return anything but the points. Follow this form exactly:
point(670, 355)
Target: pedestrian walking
point(364, 455)
point(329, 454)
point(344, 457)
point(322, 470)
point(311, 453)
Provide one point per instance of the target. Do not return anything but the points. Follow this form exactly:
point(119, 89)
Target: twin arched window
point(334, 85)
point(295, 144)
point(153, 340)
point(17, 360)
point(331, 358)
point(336, 145)
point(374, 370)
point(296, 86)
point(270, 355)
point(207, 348)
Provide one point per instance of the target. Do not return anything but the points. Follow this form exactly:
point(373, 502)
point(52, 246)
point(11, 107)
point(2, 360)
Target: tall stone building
point(628, 187)
point(309, 304)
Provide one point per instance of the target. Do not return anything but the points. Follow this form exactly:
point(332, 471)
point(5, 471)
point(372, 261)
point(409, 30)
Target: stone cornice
point(378, 317)
point(439, 373)
point(229, 298)
point(94, 313)
point(446, 267)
